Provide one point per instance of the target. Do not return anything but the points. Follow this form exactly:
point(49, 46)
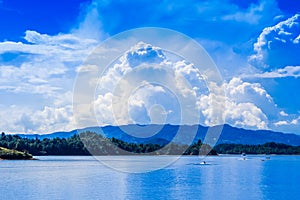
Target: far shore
point(220, 155)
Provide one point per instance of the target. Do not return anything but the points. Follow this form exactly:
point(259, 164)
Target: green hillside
point(9, 154)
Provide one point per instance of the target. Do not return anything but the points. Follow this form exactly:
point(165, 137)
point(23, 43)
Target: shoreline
point(235, 155)
point(221, 155)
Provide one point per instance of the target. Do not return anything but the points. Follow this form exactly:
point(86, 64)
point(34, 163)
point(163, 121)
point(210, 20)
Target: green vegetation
point(92, 143)
point(267, 148)
point(171, 149)
point(13, 154)
point(56, 146)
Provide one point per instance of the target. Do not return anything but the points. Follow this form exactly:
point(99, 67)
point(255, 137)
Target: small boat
point(203, 163)
point(243, 157)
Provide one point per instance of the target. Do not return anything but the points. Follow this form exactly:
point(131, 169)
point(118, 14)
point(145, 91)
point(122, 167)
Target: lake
point(84, 177)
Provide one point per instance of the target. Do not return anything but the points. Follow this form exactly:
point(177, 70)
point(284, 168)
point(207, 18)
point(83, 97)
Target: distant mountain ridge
point(184, 134)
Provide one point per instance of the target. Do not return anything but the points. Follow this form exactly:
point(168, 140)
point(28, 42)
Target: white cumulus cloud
point(245, 104)
point(238, 107)
point(278, 46)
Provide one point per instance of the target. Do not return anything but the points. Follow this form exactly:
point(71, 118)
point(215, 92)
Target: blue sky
point(254, 43)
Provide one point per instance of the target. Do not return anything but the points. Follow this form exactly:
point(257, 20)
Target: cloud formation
point(293, 122)
point(184, 89)
point(36, 81)
point(288, 71)
point(278, 46)
point(143, 82)
point(240, 102)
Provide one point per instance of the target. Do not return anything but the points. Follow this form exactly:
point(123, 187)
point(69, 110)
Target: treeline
point(56, 146)
point(267, 148)
point(88, 143)
point(171, 149)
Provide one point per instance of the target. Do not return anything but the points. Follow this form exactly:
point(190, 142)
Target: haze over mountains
point(184, 134)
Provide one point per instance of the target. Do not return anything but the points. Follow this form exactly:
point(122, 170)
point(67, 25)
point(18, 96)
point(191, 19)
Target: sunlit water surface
point(79, 177)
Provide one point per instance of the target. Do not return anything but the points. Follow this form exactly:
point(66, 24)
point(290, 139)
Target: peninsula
point(12, 154)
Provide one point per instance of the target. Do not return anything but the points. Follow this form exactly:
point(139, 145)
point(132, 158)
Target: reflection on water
point(87, 178)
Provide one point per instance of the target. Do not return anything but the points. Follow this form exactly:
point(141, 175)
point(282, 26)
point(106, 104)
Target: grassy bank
point(11, 154)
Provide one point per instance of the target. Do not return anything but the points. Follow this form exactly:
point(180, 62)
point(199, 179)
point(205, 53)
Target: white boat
point(243, 157)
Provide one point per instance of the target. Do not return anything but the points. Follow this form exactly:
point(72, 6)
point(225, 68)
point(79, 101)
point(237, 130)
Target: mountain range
point(183, 134)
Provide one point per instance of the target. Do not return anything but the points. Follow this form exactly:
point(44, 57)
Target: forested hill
point(92, 143)
point(88, 143)
point(165, 133)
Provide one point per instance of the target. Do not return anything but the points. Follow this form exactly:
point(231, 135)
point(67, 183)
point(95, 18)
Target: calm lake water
point(223, 177)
